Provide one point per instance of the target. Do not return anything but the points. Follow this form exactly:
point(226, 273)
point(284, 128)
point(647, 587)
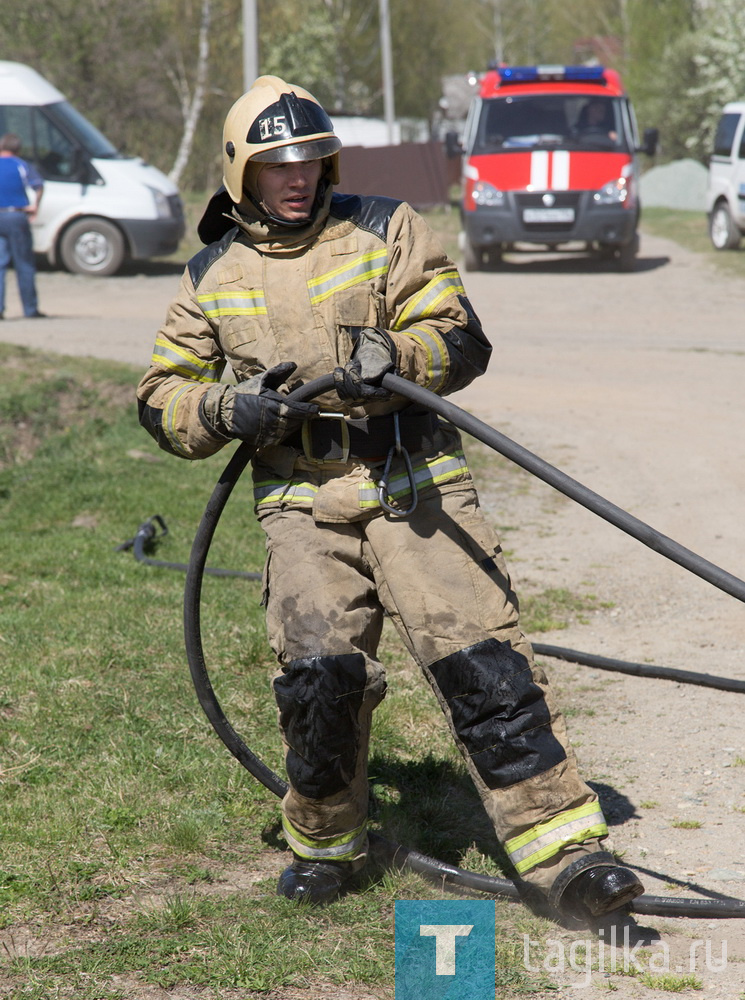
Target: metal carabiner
point(398, 449)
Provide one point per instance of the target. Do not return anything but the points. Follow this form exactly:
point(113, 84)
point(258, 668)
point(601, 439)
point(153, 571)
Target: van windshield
point(76, 126)
point(569, 121)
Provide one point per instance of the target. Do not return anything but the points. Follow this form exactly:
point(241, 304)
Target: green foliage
point(720, 73)
point(129, 66)
point(699, 68)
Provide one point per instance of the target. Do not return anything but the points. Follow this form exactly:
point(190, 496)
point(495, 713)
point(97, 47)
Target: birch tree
point(191, 97)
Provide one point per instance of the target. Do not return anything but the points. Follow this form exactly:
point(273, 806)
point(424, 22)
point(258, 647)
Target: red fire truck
point(550, 160)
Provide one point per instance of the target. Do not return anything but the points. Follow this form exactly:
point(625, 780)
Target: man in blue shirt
point(16, 213)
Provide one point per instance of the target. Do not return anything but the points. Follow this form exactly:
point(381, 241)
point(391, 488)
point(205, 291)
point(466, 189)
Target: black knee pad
point(498, 712)
point(319, 699)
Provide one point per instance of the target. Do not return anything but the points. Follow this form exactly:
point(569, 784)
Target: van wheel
point(92, 246)
point(473, 257)
point(493, 259)
point(627, 254)
point(604, 251)
point(723, 232)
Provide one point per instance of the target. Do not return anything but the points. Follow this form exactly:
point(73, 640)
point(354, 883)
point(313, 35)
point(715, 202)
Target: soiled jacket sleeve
point(439, 338)
point(186, 361)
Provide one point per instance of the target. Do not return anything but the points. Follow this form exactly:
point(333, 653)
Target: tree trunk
point(191, 105)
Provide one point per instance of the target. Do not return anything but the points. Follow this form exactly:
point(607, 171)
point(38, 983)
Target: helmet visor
point(296, 152)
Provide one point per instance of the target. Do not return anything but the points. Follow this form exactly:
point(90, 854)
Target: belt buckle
point(307, 440)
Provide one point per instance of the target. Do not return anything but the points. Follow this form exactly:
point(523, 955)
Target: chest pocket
point(239, 308)
point(349, 293)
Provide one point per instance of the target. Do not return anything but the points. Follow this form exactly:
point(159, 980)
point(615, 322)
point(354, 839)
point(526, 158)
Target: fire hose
point(717, 905)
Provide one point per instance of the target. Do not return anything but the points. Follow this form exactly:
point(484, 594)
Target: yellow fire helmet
point(276, 122)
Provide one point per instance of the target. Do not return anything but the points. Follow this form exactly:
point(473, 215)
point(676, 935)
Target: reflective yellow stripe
point(344, 848)
point(176, 359)
point(545, 840)
point(437, 355)
point(248, 302)
point(370, 265)
point(170, 413)
point(278, 490)
point(424, 303)
point(438, 471)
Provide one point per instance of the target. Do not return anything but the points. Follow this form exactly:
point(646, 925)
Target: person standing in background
point(16, 213)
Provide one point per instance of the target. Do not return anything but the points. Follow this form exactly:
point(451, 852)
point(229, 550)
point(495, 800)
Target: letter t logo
point(462, 925)
point(445, 935)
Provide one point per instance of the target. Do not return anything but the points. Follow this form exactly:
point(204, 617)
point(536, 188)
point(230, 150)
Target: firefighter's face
point(288, 190)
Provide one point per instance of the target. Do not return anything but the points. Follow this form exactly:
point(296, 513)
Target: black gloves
point(373, 356)
point(253, 410)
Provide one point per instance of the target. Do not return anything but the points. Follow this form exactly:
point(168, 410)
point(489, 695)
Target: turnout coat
point(258, 296)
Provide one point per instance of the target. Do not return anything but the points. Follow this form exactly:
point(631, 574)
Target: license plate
point(548, 215)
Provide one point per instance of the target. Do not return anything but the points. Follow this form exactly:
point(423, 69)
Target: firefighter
point(367, 502)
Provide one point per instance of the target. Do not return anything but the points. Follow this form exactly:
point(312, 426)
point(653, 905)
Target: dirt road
point(633, 384)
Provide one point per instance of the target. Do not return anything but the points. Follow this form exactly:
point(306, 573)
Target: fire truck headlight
point(613, 193)
point(487, 195)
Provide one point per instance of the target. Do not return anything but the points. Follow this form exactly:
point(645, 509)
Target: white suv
point(725, 193)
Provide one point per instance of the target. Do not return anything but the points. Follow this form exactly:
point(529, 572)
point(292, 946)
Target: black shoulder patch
point(213, 225)
point(369, 212)
point(202, 261)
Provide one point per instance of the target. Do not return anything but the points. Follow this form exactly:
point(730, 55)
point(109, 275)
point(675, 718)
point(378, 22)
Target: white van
point(725, 193)
point(99, 208)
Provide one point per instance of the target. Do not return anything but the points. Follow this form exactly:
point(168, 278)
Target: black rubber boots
point(316, 883)
point(594, 886)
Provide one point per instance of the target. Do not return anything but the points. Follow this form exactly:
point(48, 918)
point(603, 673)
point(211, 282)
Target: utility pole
point(387, 60)
point(498, 32)
point(250, 43)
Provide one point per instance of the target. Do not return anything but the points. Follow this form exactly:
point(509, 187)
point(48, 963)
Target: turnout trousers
point(440, 576)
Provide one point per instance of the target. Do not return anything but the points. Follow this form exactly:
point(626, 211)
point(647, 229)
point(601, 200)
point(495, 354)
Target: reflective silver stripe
point(424, 303)
point(172, 358)
point(279, 490)
point(429, 473)
point(170, 413)
point(250, 302)
point(345, 848)
point(437, 356)
point(370, 265)
point(545, 840)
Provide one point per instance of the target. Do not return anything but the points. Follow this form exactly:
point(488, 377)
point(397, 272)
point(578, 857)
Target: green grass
point(555, 608)
point(671, 983)
point(690, 230)
point(133, 845)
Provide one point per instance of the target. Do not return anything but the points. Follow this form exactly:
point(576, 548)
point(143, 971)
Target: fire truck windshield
point(566, 121)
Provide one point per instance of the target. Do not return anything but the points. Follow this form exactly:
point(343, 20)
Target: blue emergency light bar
point(536, 74)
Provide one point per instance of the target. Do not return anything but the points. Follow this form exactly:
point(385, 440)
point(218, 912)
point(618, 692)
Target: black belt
point(10, 208)
point(333, 438)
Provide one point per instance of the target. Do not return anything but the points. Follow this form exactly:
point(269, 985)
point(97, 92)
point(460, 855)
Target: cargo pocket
point(265, 583)
point(496, 601)
point(274, 627)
